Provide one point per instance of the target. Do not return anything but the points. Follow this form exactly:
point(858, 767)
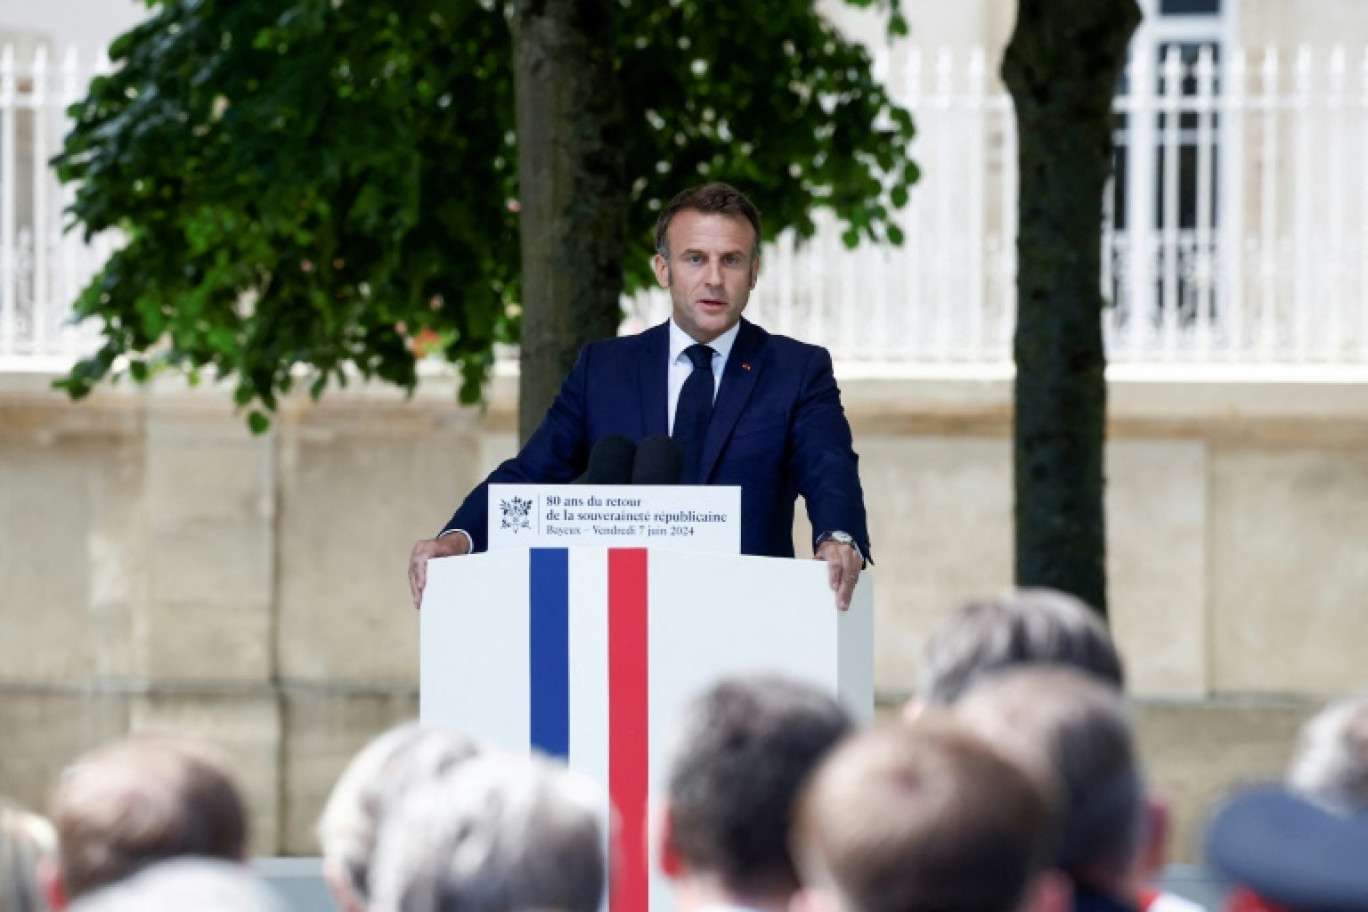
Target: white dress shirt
point(681, 366)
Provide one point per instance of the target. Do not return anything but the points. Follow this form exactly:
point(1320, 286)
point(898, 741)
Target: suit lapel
point(652, 380)
point(738, 382)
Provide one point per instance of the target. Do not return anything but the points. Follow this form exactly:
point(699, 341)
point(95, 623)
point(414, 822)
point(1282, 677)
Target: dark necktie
point(693, 410)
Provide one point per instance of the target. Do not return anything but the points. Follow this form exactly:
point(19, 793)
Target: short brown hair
point(925, 817)
point(144, 799)
point(715, 198)
point(1075, 728)
point(743, 749)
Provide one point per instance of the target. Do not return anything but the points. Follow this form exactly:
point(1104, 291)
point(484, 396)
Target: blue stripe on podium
point(549, 645)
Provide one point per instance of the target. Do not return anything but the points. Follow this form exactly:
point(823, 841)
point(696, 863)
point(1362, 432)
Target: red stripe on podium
point(628, 720)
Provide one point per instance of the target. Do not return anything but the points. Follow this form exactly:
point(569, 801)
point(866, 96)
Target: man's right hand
point(447, 546)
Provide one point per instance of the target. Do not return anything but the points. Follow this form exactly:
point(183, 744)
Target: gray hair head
point(1331, 762)
point(377, 777)
point(1019, 627)
point(500, 833)
point(201, 884)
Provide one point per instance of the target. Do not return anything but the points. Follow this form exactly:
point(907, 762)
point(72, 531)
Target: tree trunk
point(1061, 68)
point(570, 177)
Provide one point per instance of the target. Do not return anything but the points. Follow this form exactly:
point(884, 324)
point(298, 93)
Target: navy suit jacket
point(777, 430)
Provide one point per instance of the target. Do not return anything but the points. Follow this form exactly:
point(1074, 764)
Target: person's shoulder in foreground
point(1302, 845)
point(185, 885)
point(1290, 853)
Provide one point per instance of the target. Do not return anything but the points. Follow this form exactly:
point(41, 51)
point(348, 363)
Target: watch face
point(844, 538)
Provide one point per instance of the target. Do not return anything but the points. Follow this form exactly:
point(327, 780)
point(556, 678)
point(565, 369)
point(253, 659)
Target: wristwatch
point(844, 538)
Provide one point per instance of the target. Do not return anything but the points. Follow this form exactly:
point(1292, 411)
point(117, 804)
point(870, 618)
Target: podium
point(588, 654)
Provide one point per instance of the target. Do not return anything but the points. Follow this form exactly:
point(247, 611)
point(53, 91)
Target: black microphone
point(610, 461)
point(659, 461)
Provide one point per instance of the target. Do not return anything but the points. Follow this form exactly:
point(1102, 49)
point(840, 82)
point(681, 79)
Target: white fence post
point(67, 288)
point(1334, 201)
point(975, 200)
point(1204, 263)
point(1231, 258)
point(9, 112)
point(1362, 298)
point(1169, 218)
point(1303, 191)
point(1269, 253)
point(915, 216)
point(1139, 214)
point(40, 306)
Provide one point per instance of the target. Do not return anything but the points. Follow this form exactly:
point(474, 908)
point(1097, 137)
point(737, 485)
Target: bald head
point(144, 799)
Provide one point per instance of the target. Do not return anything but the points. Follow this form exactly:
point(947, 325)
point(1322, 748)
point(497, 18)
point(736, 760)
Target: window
point(1161, 236)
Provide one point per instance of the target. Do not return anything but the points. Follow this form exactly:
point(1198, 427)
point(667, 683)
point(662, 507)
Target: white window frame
point(1141, 287)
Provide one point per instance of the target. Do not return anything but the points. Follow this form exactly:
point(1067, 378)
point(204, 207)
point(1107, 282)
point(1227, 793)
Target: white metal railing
point(1237, 231)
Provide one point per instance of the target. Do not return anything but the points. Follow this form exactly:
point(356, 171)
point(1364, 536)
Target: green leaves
point(284, 178)
point(786, 108)
point(316, 185)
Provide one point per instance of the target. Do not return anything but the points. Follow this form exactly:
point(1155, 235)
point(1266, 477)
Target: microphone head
point(610, 461)
point(659, 461)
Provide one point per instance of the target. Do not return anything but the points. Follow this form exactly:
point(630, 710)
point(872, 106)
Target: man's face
point(710, 272)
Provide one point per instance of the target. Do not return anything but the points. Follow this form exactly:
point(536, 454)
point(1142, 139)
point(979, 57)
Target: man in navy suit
point(749, 408)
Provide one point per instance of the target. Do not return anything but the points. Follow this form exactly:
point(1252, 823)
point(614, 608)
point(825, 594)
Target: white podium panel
point(588, 654)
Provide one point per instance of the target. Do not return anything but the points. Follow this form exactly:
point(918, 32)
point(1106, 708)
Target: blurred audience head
point(497, 833)
point(384, 770)
point(144, 799)
point(926, 817)
point(742, 749)
point(185, 885)
point(26, 842)
point(1331, 760)
point(1285, 852)
point(1020, 627)
point(1067, 725)
point(1301, 846)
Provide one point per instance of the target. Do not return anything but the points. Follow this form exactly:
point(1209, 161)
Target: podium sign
point(589, 654)
point(679, 517)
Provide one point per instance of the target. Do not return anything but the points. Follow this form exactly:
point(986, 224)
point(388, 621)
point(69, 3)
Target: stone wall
point(165, 569)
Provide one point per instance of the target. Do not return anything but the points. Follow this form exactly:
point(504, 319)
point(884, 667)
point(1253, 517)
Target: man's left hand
point(843, 569)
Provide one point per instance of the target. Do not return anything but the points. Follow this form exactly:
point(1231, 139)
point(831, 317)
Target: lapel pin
point(745, 365)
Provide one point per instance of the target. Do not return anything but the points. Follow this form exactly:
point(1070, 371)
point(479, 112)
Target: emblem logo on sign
point(517, 514)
